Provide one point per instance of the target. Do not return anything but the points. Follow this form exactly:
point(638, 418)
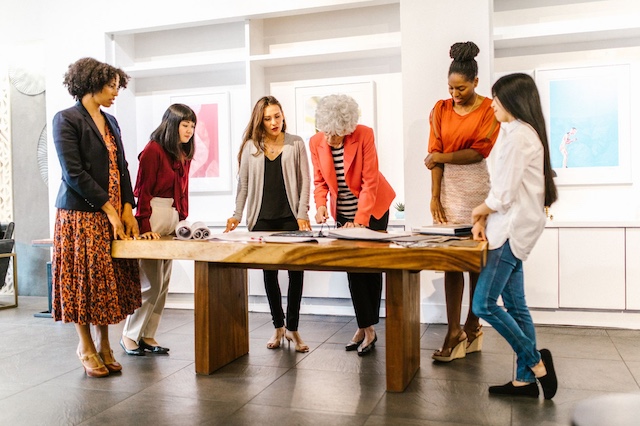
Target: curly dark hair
point(88, 75)
point(463, 55)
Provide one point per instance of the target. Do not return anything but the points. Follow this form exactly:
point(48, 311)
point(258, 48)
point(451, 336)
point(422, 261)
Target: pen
point(256, 239)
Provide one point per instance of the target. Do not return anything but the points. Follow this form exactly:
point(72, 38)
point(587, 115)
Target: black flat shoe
point(158, 350)
point(352, 346)
point(549, 381)
point(362, 351)
point(530, 390)
point(135, 352)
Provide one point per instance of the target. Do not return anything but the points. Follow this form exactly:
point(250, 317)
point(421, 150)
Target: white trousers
point(154, 276)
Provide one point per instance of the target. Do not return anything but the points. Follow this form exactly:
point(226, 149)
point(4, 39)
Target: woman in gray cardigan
point(274, 185)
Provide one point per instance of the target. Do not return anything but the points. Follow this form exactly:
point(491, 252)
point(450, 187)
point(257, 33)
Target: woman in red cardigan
point(162, 188)
point(345, 165)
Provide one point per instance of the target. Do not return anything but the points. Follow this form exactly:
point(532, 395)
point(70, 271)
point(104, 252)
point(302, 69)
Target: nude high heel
point(100, 371)
point(295, 337)
point(449, 354)
point(110, 362)
point(475, 344)
point(276, 339)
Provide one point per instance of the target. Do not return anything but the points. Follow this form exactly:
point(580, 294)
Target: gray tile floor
point(42, 382)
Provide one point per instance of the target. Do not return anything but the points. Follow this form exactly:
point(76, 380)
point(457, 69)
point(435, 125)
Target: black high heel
point(362, 351)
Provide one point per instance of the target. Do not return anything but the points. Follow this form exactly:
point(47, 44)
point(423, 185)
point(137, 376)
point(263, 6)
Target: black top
point(275, 204)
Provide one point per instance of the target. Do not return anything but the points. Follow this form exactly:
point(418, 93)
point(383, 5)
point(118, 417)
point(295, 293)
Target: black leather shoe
point(530, 390)
point(158, 350)
point(135, 352)
point(362, 351)
point(549, 381)
point(352, 346)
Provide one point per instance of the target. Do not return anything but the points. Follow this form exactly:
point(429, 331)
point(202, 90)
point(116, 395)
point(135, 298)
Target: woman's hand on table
point(148, 236)
point(304, 225)
point(232, 223)
point(437, 211)
point(322, 214)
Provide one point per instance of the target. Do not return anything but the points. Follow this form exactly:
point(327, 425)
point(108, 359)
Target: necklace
point(274, 147)
point(473, 105)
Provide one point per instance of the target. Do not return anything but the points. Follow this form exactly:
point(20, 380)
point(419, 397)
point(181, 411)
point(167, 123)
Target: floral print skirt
point(89, 286)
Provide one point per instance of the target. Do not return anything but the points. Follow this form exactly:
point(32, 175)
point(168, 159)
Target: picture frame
point(308, 96)
point(587, 113)
point(211, 165)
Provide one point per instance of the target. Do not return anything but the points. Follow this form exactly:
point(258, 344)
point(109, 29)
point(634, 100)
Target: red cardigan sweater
point(160, 176)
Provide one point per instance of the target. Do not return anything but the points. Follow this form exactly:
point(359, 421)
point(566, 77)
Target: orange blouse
point(451, 132)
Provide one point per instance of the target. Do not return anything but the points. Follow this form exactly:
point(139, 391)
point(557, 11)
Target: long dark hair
point(463, 63)
point(255, 129)
point(168, 136)
point(519, 95)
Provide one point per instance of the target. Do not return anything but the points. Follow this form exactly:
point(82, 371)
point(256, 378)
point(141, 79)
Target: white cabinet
point(541, 272)
point(592, 268)
point(633, 268)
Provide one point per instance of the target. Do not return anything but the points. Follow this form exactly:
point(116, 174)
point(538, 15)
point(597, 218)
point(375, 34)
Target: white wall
point(532, 36)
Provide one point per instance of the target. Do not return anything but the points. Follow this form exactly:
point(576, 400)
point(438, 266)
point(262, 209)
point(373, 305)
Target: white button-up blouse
point(517, 189)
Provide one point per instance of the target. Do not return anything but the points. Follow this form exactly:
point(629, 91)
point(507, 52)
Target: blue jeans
point(502, 276)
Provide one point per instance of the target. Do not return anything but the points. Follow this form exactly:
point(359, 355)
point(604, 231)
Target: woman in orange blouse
point(463, 131)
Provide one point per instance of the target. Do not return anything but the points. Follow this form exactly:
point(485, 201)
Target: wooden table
point(221, 292)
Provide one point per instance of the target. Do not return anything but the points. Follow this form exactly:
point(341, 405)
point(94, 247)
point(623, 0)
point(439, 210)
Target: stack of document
point(364, 234)
point(444, 229)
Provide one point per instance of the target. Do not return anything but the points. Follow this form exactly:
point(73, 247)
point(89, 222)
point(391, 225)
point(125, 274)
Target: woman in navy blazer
point(95, 205)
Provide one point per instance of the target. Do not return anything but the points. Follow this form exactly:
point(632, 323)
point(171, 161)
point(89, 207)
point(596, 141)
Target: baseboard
point(436, 314)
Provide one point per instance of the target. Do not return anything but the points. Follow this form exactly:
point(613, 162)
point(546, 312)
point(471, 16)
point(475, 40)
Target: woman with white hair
point(345, 164)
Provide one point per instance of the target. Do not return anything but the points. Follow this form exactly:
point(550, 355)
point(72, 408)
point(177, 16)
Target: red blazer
point(362, 176)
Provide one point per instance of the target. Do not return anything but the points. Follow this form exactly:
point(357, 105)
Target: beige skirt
point(463, 188)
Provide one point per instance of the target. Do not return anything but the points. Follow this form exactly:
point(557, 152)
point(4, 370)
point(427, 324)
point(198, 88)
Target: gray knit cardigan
point(295, 171)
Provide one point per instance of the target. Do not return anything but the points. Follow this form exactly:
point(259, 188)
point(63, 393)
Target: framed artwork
point(211, 164)
point(587, 116)
point(307, 98)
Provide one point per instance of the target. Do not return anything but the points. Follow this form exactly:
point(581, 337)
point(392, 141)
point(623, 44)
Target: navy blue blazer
point(84, 159)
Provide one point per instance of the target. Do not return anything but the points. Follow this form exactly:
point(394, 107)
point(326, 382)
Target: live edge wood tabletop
point(221, 292)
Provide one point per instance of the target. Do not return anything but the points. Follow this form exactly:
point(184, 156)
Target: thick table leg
point(403, 328)
point(221, 316)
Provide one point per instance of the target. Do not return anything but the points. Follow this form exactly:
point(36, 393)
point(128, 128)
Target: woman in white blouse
point(511, 219)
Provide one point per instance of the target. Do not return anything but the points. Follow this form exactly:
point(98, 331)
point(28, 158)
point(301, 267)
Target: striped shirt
point(347, 204)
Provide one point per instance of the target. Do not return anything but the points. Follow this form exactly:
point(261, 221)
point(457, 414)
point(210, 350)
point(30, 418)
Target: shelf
point(330, 50)
point(188, 63)
point(566, 24)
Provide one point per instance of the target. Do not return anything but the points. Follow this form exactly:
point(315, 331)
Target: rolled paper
point(183, 230)
point(200, 231)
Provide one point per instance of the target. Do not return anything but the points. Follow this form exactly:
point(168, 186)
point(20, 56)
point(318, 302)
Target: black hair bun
point(462, 52)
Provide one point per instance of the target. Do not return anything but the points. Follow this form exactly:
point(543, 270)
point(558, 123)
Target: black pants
point(366, 287)
point(272, 286)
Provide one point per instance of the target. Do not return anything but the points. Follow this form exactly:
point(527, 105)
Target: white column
point(429, 28)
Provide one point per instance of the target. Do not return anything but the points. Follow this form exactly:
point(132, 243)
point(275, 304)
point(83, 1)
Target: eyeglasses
point(321, 233)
